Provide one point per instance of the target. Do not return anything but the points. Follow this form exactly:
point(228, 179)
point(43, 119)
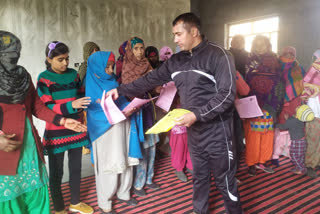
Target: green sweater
point(58, 91)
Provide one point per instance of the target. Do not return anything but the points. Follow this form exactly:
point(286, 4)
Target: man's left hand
point(186, 120)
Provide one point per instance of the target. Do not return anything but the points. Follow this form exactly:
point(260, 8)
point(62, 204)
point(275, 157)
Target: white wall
point(74, 22)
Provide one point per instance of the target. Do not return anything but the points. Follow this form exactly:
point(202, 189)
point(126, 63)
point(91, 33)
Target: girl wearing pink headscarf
point(165, 53)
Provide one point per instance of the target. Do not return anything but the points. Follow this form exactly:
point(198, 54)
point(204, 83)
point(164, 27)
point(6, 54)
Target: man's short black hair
point(188, 18)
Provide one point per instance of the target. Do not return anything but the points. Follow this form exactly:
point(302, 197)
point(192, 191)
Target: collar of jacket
point(201, 45)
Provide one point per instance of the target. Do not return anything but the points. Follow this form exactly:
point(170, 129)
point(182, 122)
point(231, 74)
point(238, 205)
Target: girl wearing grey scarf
point(14, 79)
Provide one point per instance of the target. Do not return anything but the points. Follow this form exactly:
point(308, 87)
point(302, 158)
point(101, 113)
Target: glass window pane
point(266, 35)
point(274, 41)
point(266, 25)
point(229, 42)
point(243, 29)
point(248, 44)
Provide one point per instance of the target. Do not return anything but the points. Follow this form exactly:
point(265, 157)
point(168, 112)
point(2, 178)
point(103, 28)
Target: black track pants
point(211, 150)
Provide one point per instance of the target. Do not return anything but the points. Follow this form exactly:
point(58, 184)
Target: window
point(268, 27)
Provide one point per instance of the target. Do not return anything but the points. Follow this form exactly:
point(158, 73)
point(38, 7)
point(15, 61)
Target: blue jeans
point(145, 170)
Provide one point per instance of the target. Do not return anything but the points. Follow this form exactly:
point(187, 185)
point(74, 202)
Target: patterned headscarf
point(88, 48)
point(289, 49)
point(165, 53)
point(119, 63)
point(122, 49)
point(293, 74)
point(14, 79)
point(135, 40)
point(132, 67)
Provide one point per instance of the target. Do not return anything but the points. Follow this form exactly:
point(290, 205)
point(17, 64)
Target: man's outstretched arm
point(146, 83)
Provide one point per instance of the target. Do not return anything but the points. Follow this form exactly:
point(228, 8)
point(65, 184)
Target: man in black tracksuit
point(204, 74)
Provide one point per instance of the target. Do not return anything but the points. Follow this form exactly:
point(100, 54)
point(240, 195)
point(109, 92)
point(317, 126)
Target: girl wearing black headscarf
point(23, 176)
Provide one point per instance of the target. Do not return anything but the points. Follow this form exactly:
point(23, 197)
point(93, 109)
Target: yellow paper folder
point(167, 122)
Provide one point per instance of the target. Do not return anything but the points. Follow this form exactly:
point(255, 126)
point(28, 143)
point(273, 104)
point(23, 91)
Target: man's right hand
point(114, 93)
point(7, 144)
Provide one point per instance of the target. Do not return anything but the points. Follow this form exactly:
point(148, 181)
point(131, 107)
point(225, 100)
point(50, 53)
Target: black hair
point(151, 49)
point(59, 49)
point(190, 19)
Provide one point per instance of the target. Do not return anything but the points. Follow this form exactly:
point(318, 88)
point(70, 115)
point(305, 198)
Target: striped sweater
point(58, 91)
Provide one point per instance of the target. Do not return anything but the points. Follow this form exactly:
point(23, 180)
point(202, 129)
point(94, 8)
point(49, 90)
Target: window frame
point(251, 20)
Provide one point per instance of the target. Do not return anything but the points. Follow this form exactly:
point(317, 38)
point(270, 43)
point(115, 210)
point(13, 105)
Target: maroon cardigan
point(13, 122)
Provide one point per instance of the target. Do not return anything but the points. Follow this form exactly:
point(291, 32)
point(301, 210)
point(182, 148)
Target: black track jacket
point(204, 77)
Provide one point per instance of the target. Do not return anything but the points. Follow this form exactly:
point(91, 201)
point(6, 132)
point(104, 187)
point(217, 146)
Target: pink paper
point(248, 107)
point(136, 103)
point(111, 110)
point(166, 97)
point(312, 76)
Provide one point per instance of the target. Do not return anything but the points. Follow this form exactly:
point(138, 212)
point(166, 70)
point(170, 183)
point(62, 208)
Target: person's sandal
point(182, 177)
point(153, 186)
point(130, 202)
point(139, 192)
point(295, 171)
point(264, 168)
point(81, 208)
point(252, 171)
point(275, 162)
point(311, 173)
